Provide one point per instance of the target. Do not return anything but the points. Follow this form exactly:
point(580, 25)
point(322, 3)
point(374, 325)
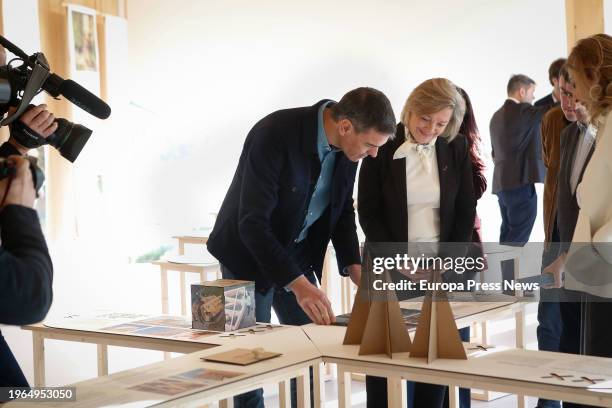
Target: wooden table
point(468, 314)
point(298, 355)
point(193, 238)
point(184, 265)
point(479, 371)
point(505, 369)
point(103, 339)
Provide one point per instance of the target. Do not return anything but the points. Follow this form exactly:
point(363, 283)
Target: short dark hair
point(555, 68)
point(517, 82)
point(564, 73)
point(366, 108)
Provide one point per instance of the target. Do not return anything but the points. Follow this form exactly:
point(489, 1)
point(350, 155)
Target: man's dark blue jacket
point(264, 210)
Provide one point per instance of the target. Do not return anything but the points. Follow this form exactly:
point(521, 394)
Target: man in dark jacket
point(553, 77)
point(292, 192)
point(25, 266)
point(517, 156)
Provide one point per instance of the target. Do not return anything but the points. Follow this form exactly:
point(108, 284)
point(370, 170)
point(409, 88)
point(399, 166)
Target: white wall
point(201, 73)
point(210, 70)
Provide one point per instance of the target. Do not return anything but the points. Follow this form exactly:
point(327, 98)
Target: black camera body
point(20, 83)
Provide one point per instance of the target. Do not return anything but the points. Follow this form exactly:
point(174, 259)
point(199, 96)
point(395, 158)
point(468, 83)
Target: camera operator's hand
point(21, 188)
point(37, 118)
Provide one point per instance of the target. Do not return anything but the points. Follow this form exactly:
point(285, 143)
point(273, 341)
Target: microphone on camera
point(84, 99)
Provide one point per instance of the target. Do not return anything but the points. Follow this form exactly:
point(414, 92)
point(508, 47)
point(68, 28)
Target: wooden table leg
point(164, 298)
point(344, 387)
point(319, 385)
point(520, 343)
point(396, 392)
point(484, 332)
point(183, 294)
point(303, 389)
point(181, 248)
point(474, 332)
point(164, 289)
point(453, 396)
point(520, 327)
point(284, 394)
point(102, 360)
point(227, 403)
point(38, 344)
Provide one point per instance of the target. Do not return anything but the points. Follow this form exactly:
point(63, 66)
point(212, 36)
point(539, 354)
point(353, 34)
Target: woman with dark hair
point(469, 129)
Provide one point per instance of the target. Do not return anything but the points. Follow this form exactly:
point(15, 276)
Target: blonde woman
point(419, 189)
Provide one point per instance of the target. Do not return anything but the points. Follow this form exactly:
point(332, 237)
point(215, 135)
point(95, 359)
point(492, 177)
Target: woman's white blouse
point(422, 190)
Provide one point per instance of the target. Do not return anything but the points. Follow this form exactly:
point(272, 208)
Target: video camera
point(19, 84)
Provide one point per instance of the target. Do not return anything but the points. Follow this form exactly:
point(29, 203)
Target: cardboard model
point(436, 334)
point(376, 325)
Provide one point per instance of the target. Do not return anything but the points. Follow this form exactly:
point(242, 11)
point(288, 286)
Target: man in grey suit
point(517, 156)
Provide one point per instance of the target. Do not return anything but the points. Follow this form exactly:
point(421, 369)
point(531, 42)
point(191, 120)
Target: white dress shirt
point(422, 189)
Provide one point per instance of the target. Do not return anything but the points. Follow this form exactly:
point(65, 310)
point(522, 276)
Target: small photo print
point(159, 331)
point(125, 328)
point(207, 376)
point(166, 386)
point(193, 335)
point(172, 321)
point(85, 42)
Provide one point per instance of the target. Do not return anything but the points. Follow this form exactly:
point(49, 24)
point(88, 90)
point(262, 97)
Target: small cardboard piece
point(378, 326)
point(437, 335)
point(242, 356)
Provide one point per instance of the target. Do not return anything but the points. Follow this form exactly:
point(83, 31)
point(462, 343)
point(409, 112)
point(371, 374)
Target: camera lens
point(69, 138)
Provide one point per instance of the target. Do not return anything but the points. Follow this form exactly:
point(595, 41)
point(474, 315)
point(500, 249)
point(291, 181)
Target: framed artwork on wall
point(83, 39)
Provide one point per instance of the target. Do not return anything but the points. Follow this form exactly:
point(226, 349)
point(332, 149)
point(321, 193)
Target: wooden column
point(583, 18)
point(54, 44)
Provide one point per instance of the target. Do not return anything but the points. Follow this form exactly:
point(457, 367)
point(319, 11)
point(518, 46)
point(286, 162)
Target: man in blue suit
point(291, 193)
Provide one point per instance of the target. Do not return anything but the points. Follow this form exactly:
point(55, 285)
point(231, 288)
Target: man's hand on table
point(313, 301)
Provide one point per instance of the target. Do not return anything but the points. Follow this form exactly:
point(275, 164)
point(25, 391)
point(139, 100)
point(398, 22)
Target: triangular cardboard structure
point(385, 331)
point(359, 316)
point(377, 325)
point(437, 335)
